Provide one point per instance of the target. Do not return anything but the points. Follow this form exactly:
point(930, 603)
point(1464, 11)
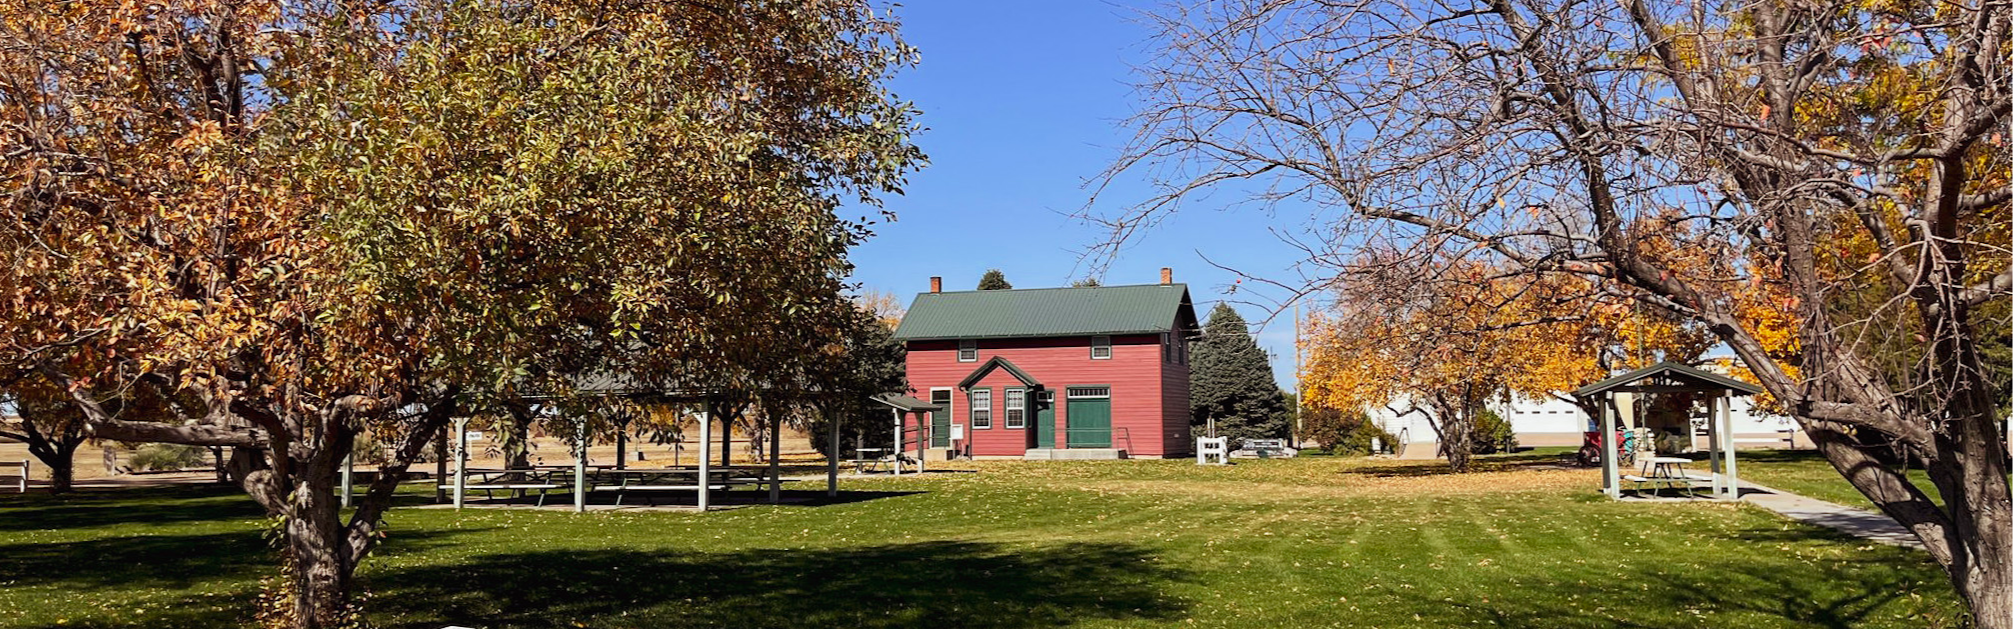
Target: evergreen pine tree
point(994, 280)
point(1231, 382)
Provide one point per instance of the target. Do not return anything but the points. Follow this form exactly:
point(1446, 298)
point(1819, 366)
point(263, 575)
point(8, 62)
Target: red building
point(1093, 372)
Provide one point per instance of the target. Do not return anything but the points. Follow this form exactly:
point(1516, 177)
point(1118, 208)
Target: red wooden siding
point(1149, 396)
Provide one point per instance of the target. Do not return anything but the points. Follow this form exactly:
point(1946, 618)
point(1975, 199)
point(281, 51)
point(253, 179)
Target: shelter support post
point(706, 456)
point(1611, 477)
point(726, 437)
point(901, 448)
point(460, 460)
point(622, 444)
point(923, 440)
point(775, 455)
point(1715, 438)
point(831, 453)
point(580, 467)
point(1732, 468)
point(348, 472)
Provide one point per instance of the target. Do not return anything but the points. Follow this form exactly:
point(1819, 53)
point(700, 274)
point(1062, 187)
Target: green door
point(1089, 417)
point(1044, 419)
point(940, 420)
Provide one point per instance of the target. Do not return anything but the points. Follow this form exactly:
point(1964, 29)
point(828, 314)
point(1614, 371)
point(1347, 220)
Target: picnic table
point(870, 460)
point(545, 478)
point(720, 479)
point(1664, 471)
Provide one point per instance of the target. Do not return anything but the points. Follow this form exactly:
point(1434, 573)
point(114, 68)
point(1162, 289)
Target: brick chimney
point(1166, 275)
point(936, 284)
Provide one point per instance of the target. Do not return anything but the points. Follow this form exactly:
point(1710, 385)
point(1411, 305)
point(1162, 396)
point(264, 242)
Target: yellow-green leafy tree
point(291, 224)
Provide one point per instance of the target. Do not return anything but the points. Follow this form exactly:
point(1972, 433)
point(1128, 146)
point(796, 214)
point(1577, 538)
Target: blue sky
point(1025, 104)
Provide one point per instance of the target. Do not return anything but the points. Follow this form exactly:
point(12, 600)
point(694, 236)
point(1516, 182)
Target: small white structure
point(1212, 450)
point(21, 479)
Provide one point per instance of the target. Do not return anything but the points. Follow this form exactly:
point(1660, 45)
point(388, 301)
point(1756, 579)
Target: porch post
point(901, 449)
point(1732, 444)
point(1611, 478)
point(831, 452)
point(460, 462)
point(705, 454)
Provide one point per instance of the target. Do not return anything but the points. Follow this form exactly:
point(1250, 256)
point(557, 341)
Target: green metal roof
point(1704, 380)
point(1048, 312)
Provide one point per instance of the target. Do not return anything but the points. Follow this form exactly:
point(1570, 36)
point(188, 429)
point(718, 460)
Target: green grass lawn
point(1327, 542)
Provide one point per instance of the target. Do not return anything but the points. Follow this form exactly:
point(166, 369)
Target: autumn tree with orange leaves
point(1444, 342)
point(286, 225)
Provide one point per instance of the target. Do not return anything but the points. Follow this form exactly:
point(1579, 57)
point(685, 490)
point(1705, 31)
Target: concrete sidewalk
point(1858, 523)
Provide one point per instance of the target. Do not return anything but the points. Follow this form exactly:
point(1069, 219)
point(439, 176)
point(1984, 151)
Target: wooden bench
point(1786, 437)
point(21, 470)
point(1670, 482)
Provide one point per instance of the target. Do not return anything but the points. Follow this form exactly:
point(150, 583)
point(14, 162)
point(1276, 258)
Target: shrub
point(157, 457)
point(1492, 434)
point(369, 452)
point(1339, 432)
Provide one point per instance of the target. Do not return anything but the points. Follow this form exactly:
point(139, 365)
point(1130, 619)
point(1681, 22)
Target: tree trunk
point(516, 435)
point(61, 474)
point(1989, 582)
point(221, 465)
point(318, 549)
point(1457, 429)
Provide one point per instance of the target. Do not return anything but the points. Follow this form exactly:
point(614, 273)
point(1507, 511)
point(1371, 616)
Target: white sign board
point(957, 432)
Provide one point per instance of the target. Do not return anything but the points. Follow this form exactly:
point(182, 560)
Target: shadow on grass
point(1482, 463)
point(788, 498)
point(1881, 585)
point(168, 504)
point(948, 584)
point(157, 561)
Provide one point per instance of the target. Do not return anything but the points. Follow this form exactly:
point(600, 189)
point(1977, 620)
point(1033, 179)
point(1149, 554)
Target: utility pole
point(1299, 391)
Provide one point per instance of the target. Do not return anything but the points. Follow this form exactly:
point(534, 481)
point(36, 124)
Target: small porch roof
point(905, 403)
point(998, 362)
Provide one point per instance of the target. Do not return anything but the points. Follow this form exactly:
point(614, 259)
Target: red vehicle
point(1591, 448)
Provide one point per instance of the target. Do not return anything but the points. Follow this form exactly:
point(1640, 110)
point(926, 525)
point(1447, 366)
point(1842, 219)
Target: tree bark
point(62, 473)
point(322, 569)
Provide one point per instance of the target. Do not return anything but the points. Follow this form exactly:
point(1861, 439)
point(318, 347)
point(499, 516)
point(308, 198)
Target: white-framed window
point(1016, 408)
point(1100, 348)
point(1089, 392)
point(968, 351)
point(982, 409)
